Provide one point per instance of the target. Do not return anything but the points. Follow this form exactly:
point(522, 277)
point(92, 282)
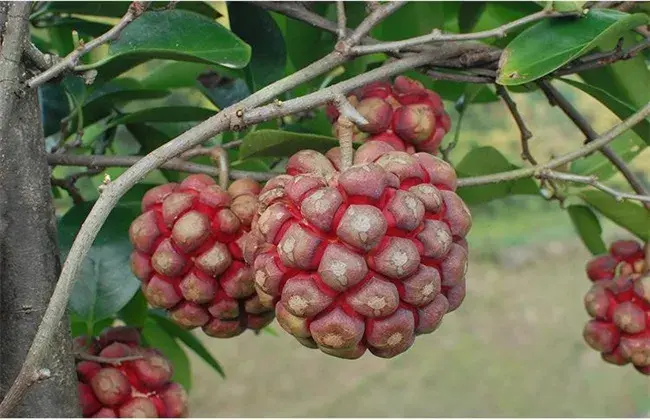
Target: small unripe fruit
point(405, 115)
point(619, 304)
point(139, 386)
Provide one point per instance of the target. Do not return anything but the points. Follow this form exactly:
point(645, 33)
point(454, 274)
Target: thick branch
point(180, 165)
point(135, 10)
point(37, 58)
point(437, 36)
point(581, 122)
point(569, 157)
point(593, 181)
point(11, 51)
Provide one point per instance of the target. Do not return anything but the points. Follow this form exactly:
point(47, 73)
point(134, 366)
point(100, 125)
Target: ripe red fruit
point(619, 304)
point(364, 258)
point(188, 254)
point(141, 387)
point(405, 115)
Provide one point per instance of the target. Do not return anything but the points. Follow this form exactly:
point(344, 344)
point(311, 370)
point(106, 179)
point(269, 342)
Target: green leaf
point(551, 43)
point(568, 6)
point(177, 113)
point(617, 106)
point(469, 14)
point(627, 80)
point(68, 24)
point(136, 311)
point(498, 13)
point(174, 35)
point(54, 107)
point(100, 102)
point(151, 138)
point(105, 282)
point(305, 43)
point(258, 29)
point(90, 8)
point(631, 216)
point(484, 161)
point(223, 92)
point(189, 339)
point(277, 143)
point(588, 227)
point(154, 336)
point(411, 20)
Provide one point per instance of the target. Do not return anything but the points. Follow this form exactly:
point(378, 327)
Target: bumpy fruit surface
point(405, 114)
point(364, 258)
point(132, 388)
point(188, 255)
point(619, 304)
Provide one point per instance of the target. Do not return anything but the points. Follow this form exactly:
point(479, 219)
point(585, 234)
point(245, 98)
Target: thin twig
point(346, 109)
point(583, 125)
point(341, 19)
point(374, 18)
point(438, 36)
point(591, 147)
point(115, 361)
point(549, 174)
point(40, 60)
point(180, 165)
point(345, 132)
point(457, 77)
point(70, 188)
point(525, 132)
point(220, 157)
point(135, 10)
point(597, 60)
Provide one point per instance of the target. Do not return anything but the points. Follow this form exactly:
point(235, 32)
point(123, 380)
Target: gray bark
point(29, 256)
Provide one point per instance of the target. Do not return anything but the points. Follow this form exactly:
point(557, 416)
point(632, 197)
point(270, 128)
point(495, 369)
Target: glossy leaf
point(105, 282)
point(498, 13)
point(618, 107)
point(469, 14)
point(629, 215)
point(277, 143)
point(551, 43)
point(484, 161)
point(156, 337)
point(588, 227)
point(188, 339)
point(258, 29)
point(166, 114)
point(173, 35)
point(627, 80)
point(222, 92)
point(136, 311)
point(54, 107)
point(305, 43)
point(413, 19)
point(84, 27)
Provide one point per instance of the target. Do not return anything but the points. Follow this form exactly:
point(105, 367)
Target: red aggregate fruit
point(363, 258)
point(619, 305)
point(123, 379)
point(188, 254)
point(404, 114)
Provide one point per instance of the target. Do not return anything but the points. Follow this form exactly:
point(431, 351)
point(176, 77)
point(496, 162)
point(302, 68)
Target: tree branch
point(346, 109)
point(341, 19)
point(583, 125)
point(115, 361)
point(437, 36)
point(525, 132)
point(597, 60)
point(549, 174)
point(37, 58)
point(569, 157)
point(135, 10)
point(180, 165)
point(16, 31)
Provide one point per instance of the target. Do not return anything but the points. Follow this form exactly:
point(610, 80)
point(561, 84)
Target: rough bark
point(29, 259)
